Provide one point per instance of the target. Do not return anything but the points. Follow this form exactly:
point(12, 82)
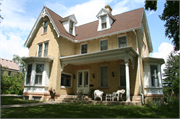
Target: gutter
point(142, 95)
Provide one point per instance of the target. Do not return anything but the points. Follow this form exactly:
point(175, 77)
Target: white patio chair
point(118, 94)
point(98, 93)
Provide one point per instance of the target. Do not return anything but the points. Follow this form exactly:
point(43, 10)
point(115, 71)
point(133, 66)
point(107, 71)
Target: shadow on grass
point(75, 110)
point(9, 100)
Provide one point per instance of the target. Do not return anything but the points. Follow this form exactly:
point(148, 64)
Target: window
point(122, 75)
point(103, 22)
point(104, 76)
point(36, 98)
point(83, 48)
point(154, 76)
point(39, 50)
point(66, 80)
point(28, 78)
point(71, 27)
point(103, 45)
point(26, 97)
point(9, 73)
point(39, 70)
point(45, 49)
point(45, 26)
point(122, 41)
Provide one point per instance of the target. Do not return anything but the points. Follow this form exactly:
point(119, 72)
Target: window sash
point(39, 50)
point(45, 49)
point(66, 80)
point(39, 71)
point(154, 75)
point(122, 75)
point(79, 79)
point(122, 41)
point(9, 73)
point(45, 26)
point(104, 76)
point(86, 79)
point(103, 45)
point(83, 48)
point(71, 27)
point(28, 78)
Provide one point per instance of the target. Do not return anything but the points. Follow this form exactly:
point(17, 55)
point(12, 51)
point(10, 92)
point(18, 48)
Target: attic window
point(71, 27)
point(103, 22)
point(45, 26)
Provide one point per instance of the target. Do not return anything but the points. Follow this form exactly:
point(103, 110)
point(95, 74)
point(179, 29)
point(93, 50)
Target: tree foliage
point(12, 84)
point(19, 61)
point(171, 17)
point(171, 72)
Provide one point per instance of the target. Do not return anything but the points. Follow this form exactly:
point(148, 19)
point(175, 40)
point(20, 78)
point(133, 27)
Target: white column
point(33, 73)
point(127, 81)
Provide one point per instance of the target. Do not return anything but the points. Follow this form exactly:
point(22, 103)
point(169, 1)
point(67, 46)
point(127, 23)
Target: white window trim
point(118, 40)
point(119, 74)
point(100, 76)
point(38, 49)
point(71, 80)
point(81, 48)
point(43, 26)
point(100, 44)
point(44, 48)
point(42, 82)
point(159, 73)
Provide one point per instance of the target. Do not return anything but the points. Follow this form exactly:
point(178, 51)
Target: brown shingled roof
point(9, 64)
point(124, 21)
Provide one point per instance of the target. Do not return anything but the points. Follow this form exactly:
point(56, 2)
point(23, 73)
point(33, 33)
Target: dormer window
point(45, 26)
point(103, 22)
point(71, 27)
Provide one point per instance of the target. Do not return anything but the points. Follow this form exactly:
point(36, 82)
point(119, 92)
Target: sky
point(20, 16)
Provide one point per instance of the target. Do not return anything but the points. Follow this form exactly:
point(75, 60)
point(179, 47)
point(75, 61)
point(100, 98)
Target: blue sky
point(20, 16)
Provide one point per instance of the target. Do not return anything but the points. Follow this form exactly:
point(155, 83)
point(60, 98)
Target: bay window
point(154, 76)
point(28, 77)
point(39, 71)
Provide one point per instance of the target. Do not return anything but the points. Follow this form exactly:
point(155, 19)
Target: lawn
point(9, 100)
point(80, 110)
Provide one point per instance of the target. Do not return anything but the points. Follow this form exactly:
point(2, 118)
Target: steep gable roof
point(9, 64)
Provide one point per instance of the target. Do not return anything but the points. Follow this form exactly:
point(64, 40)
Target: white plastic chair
point(118, 94)
point(98, 93)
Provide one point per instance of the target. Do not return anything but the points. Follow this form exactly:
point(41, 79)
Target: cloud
point(163, 52)
point(11, 46)
point(151, 12)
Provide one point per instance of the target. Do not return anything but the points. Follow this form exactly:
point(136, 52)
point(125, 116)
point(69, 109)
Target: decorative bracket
point(63, 65)
point(44, 13)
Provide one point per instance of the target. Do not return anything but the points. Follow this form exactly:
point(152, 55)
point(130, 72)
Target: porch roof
point(37, 59)
point(152, 59)
point(100, 56)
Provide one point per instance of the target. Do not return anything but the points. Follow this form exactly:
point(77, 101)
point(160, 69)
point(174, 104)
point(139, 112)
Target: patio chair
point(118, 94)
point(98, 93)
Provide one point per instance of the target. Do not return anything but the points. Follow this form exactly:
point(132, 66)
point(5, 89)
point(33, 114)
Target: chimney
point(108, 8)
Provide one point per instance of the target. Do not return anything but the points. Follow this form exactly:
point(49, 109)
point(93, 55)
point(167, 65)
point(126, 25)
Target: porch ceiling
point(101, 56)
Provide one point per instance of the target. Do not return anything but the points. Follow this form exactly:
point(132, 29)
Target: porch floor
point(85, 99)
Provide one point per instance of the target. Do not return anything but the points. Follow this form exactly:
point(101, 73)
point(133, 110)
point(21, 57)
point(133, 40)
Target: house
point(108, 54)
point(8, 67)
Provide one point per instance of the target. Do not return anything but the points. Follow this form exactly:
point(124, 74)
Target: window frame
point(103, 22)
point(71, 28)
point(107, 76)
point(45, 49)
point(45, 27)
point(81, 48)
point(118, 41)
point(71, 80)
point(119, 74)
point(158, 81)
point(41, 50)
point(100, 44)
point(38, 74)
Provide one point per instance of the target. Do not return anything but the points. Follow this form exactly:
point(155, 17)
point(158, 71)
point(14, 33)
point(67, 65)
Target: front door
point(83, 80)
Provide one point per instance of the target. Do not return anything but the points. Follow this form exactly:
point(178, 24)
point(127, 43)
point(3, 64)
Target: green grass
point(79, 110)
point(9, 100)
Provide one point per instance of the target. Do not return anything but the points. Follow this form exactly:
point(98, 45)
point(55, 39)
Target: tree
point(171, 17)
point(19, 61)
point(171, 72)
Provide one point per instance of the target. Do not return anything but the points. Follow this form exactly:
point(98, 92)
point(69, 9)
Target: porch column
point(127, 81)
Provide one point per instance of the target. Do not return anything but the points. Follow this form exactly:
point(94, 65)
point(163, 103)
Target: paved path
point(31, 104)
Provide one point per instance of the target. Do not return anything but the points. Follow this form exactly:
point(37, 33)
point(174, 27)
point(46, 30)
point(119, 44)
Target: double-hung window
point(83, 48)
point(45, 49)
point(103, 45)
point(103, 76)
point(39, 71)
point(66, 80)
point(71, 27)
point(122, 75)
point(154, 76)
point(45, 26)
point(9, 73)
point(28, 78)
point(122, 42)
point(39, 50)
point(103, 22)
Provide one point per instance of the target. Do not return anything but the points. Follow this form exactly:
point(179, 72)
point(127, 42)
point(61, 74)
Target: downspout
point(142, 95)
